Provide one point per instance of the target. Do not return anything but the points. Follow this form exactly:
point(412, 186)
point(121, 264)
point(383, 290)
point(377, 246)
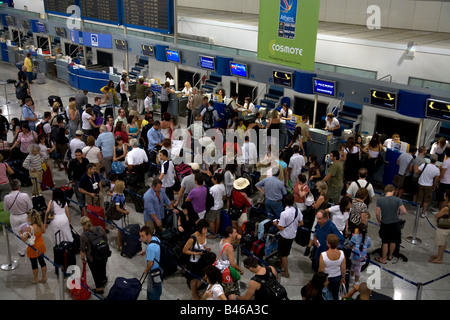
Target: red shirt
point(123, 134)
point(297, 197)
point(240, 200)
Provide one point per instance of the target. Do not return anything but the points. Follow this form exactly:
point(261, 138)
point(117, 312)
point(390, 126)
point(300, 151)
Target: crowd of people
point(133, 151)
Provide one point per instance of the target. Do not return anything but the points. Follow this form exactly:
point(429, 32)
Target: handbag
point(444, 222)
point(31, 237)
point(234, 273)
point(44, 166)
point(112, 213)
point(50, 214)
point(235, 213)
point(342, 291)
point(224, 267)
point(81, 290)
point(309, 201)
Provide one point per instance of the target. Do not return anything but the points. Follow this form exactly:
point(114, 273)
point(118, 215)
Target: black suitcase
point(126, 289)
point(131, 243)
point(53, 99)
point(64, 254)
point(303, 232)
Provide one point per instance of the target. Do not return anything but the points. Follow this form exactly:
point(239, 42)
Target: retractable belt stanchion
point(413, 239)
point(10, 265)
point(242, 285)
point(62, 281)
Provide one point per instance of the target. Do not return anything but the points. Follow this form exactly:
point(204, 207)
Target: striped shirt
point(33, 162)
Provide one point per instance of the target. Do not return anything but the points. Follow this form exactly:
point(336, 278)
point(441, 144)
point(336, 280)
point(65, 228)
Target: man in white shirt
point(444, 180)
point(361, 183)
point(290, 219)
point(136, 158)
point(148, 102)
point(77, 143)
point(250, 154)
point(428, 180)
point(404, 163)
point(296, 164)
point(219, 194)
point(17, 204)
point(167, 174)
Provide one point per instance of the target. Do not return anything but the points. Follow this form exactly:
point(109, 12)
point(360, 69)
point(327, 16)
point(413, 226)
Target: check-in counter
point(4, 52)
point(62, 69)
point(82, 79)
point(11, 54)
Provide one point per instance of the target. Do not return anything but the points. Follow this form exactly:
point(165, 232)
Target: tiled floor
point(396, 279)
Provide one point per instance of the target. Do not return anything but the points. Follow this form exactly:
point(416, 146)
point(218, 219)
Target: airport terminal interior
point(408, 277)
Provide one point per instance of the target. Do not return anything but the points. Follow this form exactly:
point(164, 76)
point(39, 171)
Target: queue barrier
point(418, 285)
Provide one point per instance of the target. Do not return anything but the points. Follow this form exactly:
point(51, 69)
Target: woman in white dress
point(61, 221)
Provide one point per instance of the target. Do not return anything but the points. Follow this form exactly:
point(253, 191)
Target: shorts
point(213, 215)
point(424, 194)
point(441, 236)
point(284, 246)
point(61, 149)
point(356, 267)
point(441, 191)
point(390, 233)
point(242, 219)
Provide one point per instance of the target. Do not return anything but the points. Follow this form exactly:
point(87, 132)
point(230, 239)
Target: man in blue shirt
point(153, 256)
point(106, 142)
point(155, 138)
point(324, 227)
point(154, 201)
point(29, 115)
point(274, 190)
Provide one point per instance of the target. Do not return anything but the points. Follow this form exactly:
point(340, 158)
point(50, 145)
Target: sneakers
point(423, 215)
point(307, 251)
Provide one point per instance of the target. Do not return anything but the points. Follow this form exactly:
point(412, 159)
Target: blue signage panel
point(324, 87)
point(97, 40)
point(207, 63)
point(173, 55)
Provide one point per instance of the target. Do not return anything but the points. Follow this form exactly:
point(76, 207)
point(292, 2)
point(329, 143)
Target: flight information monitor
point(282, 78)
point(26, 24)
point(100, 10)
point(58, 6)
point(121, 45)
point(173, 56)
point(385, 99)
point(60, 32)
point(40, 27)
point(207, 63)
point(438, 110)
point(239, 69)
point(154, 15)
point(148, 50)
point(324, 87)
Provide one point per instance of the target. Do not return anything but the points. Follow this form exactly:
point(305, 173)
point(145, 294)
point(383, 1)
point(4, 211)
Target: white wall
point(33, 5)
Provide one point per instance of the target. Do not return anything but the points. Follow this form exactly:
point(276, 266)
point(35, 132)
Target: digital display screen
point(148, 50)
point(58, 6)
point(324, 87)
point(100, 10)
point(282, 78)
point(207, 63)
point(60, 32)
point(173, 55)
point(155, 15)
point(239, 69)
point(40, 27)
point(26, 24)
point(10, 21)
point(121, 45)
point(437, 109)
point(383, 99)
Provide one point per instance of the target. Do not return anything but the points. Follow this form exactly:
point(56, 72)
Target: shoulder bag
point(444, 221)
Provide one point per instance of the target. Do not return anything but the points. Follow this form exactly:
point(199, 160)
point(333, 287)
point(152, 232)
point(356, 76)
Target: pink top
point(26, 140)
point(3, 173)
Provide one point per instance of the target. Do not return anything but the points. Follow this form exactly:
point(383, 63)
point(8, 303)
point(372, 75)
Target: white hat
point(195, 166)
point(241, 183)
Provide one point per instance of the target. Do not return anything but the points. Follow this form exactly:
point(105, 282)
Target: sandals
point(378, 259)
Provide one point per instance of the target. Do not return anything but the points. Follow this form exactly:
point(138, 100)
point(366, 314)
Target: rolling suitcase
point(126, 289)
point(53, 99)
point(131, 243)
point(40, 78)
point(64, 253)
point(97, 215)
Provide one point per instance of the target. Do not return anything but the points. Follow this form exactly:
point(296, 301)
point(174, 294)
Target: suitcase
point(64, 253)
point(303, 232)
point(137, 197)
point(76, 240)
point(40, 78)
point(4, 145)
point(126, 289)
point(97, 215)
point(225, 221)
point(131, 243)
point(53, 99)
point(258, 248)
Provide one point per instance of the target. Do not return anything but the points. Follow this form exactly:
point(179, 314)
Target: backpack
point(99, 247)
point(166, 261)
point(21, 91)
point(229, 112)
point(208, 117)
point(40, 127)
point(367, 200)
point(273, 290)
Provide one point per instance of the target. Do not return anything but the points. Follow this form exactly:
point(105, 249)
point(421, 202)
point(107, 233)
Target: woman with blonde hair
point(74, 119)
point(187, 90)
point(118, 200)
point(32, 235)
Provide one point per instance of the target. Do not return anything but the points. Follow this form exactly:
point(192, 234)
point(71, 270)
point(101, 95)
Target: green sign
point(287, 32)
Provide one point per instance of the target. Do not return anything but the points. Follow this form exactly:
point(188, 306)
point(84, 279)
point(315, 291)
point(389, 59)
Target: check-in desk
point(62, 69)
point(90, 80)
point(323, 142)
point(177, 104)
point(4, 51)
